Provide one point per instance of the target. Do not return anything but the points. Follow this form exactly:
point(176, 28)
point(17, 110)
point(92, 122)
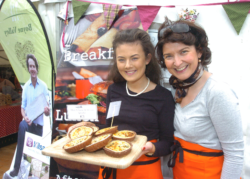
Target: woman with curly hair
point(208, 129)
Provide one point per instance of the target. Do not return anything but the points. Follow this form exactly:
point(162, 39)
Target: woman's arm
point(166, 127)
point(224, 111)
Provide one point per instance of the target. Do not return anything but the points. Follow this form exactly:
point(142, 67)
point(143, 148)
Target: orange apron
point(143, 168)
point(194, 161)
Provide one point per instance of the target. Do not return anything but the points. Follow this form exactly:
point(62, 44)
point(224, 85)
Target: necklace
point(137, 93)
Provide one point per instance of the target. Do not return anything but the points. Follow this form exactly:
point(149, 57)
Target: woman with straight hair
point(146, 107)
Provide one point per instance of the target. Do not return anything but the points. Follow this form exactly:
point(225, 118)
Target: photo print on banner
point(25, 42)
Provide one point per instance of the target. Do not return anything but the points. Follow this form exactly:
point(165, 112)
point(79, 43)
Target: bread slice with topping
point(126, 135)
point(118, 148)
point(80, 132)
point(98, 142)
point(107, 130)
point(77, 144)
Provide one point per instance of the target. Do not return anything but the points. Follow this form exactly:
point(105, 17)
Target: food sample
point(95, 128)
point(118, 148)
point(124, 135)
point(69, 125)
point(80, 131)
point(98, 95)
point(107, 130)
point(77, 144)
point(98, 142)
point(88, 37)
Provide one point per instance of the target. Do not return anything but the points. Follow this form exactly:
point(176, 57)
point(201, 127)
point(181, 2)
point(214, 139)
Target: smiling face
point(181, 60)
point(32, 68)
point(131, 61)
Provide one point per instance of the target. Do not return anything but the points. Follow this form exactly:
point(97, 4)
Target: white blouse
point(213, 120)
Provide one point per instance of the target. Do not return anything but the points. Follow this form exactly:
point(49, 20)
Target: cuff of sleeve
point(149, 154)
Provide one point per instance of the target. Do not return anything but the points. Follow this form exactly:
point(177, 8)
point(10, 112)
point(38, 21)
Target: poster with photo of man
point(32, 90)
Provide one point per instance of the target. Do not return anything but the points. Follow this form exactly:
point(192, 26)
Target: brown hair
point(153, 71)
point(196, 36)
point(33, 58)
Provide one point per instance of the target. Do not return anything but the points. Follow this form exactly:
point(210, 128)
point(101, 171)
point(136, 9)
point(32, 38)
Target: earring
point(199, 60)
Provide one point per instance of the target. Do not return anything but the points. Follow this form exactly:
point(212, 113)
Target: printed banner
point(34, 163)
point(25, 42)
point(81, 82)
point(22, 33)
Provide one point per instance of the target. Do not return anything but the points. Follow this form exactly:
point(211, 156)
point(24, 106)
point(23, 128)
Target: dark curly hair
point(33, 58)
point(153, 71)
point(196, 36)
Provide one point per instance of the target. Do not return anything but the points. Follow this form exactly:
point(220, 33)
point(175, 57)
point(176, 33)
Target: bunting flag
point(147, 15)
point(110, 11)
point(237, 14)
point(79, 8)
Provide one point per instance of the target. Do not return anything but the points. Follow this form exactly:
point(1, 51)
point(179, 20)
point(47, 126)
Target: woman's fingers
point(147, 148)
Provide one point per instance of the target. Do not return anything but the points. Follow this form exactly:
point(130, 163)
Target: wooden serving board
point(99, 157)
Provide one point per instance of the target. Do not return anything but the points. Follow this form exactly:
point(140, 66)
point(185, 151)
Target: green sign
point(22, 33)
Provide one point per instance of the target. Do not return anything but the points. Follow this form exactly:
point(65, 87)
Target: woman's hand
point(89, 124)
point(149, 148)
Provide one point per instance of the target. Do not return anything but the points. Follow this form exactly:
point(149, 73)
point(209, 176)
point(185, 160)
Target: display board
point(25, 42)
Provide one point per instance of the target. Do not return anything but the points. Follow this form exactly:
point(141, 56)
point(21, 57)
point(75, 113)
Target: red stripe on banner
point(222, 3)
point(219, 3)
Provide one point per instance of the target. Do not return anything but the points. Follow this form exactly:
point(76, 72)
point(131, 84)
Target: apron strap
point(206, 154)
point(176, 148)
point(106, 173)
point(146, 162)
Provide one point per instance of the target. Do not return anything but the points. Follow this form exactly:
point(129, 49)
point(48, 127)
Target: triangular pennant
point(147, 15)
point(237, 14)
point(79, 9)
point(110, 11)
